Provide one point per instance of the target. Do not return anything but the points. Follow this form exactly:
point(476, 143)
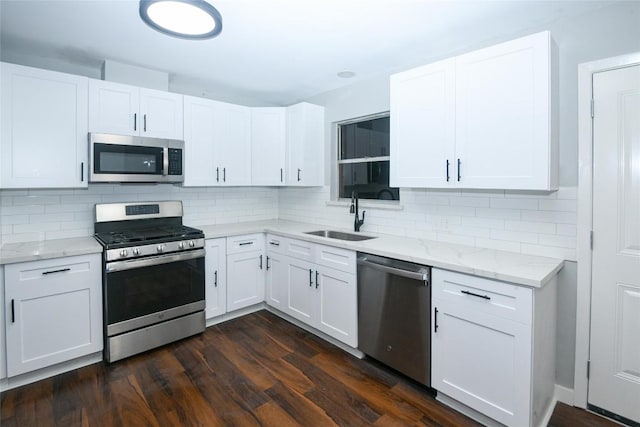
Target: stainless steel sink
point(340, 235)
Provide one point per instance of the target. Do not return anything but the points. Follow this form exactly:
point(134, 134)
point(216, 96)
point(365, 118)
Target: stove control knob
point(160, 248)
point(191, 243)
point(181, 245)
point(136, 251)
point(123, 253)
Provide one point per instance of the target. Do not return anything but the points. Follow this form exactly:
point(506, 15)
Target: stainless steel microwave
point(120, 158)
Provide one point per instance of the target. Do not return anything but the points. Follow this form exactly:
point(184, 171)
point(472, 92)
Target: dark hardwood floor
point(257, 370)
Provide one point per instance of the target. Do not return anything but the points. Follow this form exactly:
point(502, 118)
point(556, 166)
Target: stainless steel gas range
point(153, 276)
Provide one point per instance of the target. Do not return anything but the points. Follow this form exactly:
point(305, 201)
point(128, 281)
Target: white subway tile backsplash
point(539, 223)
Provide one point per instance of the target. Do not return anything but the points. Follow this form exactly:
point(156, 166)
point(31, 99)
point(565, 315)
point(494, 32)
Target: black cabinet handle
point(317, 283)
point(487, 297)
point(215, 278)
point(135, 121)
point(281, 172)
point(81, 171)
point(13, 311)
point(245, 243)
point(274, 243)
point(267, 262)
point(260, 262)
point(447, 170)
point(459, 174)
point(299, 170)
point(62, 270)
point(217, 174)
point(435, 319)
point(310, 277)
point(224, 174)
point(145, 122)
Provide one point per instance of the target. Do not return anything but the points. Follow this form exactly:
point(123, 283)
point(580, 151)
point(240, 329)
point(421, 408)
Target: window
point(363, 159)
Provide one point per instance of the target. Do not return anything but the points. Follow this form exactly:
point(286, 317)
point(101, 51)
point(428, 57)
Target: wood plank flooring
point(258, 370)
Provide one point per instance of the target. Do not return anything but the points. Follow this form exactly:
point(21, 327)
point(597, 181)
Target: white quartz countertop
point(45, 249)
point(522, 269)
point(528, 270)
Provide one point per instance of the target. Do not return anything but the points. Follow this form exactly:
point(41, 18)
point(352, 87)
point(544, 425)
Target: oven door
point(143, 292)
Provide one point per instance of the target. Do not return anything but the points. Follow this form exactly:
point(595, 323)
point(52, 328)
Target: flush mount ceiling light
point(346, 74)
point(186, 19)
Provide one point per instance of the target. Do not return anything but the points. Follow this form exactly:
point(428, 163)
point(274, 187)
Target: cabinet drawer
point(484, 295)
point(340, 259)
point(45, 271)
point(276, 244)
point(245, 243)
point(300, 249)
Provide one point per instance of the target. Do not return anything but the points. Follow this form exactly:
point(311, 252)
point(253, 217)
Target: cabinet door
point(268, 136)
point(113, 108)
point(336, 295)
point(423, 126)
point(276, 289)
point(3, 353)
point(216, 278)
point(53, 311)
point(201, 152)
point(502, 115)
point(162, 114)
point(245, 279)
point(43, 136)
point(301, 295)
point(482, 361)
point(305, 145)
point(232, 133)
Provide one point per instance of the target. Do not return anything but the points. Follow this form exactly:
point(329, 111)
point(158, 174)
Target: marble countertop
point(522, 269)
point(33, 251)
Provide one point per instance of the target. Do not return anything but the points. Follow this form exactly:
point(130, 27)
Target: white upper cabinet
point(129, 110)
point(43, 140)
point(217, 143)
point(486, 119)
point(423, 125)
point(305, 145)
point(268, 137)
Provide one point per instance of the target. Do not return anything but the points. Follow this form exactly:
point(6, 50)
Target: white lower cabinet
point(53, 311)
point(216, 277)
point(493, 346)
point(245, 271)
point(315, 284)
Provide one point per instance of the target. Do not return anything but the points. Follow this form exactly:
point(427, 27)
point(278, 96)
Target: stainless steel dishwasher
point(394, 314)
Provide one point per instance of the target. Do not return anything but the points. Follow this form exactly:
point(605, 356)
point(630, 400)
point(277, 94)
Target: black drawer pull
point(245, 243)
point(274, 243)
point(62, 270)
point(487, 297)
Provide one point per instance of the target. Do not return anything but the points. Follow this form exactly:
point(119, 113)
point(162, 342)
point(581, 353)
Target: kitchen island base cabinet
point(494, 346)
point(53, 311)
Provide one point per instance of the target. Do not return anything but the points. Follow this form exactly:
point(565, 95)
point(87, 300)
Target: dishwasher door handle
point(396, 271)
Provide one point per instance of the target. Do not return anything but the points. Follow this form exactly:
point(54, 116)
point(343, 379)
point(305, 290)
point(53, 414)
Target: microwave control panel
point(175, 161)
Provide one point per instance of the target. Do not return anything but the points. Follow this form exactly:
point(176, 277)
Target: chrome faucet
point(357, 222)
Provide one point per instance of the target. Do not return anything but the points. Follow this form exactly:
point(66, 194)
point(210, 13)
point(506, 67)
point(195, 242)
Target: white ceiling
point(280, 51)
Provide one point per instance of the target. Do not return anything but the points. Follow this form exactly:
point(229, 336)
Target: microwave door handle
point(165, 161)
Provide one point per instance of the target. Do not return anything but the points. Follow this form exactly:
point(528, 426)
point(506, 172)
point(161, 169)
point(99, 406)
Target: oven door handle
point(156, 260)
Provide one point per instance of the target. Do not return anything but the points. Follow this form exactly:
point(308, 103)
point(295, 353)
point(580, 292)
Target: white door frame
point(585, 214)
